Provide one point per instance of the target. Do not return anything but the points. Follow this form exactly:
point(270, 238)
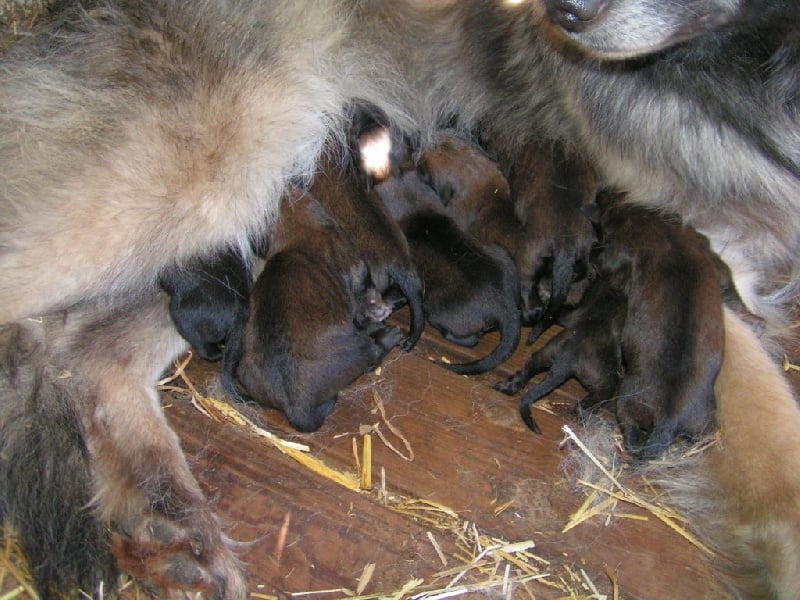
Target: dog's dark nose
point(574, 15)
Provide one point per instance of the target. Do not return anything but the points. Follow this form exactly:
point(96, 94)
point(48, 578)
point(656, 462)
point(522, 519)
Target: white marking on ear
point(375, 147)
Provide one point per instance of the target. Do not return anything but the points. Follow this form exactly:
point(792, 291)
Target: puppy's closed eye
point(444, 190)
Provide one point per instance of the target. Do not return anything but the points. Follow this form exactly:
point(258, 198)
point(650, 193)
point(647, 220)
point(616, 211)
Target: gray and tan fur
point(135, 136)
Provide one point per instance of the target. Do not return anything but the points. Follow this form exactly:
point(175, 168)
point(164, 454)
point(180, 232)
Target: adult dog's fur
point(135, 136)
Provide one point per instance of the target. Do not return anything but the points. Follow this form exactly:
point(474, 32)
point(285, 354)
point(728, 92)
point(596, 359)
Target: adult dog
point(135, 136)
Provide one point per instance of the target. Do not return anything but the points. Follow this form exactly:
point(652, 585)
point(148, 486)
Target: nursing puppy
point(589, 348)
point(296, 357)
point(135, 136)
point(470, 288)
point(209, 299)
point(550, 188)
point(342, 191)
point(472, 189)
point(672, 340)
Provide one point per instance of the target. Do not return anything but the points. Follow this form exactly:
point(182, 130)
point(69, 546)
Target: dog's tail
point(563, 268)
point(743, 494)
point(45, 480)
point(511, 324)
point(510, 332)
point(410, 284)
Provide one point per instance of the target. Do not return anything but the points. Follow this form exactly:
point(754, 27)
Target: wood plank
point(471, 453)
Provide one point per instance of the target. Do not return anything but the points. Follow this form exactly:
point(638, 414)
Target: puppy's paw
point(511, 386)
point(187, 555)
point(389, 337)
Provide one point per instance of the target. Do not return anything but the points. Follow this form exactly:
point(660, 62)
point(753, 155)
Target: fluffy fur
point(136, 136)
point(741, 494)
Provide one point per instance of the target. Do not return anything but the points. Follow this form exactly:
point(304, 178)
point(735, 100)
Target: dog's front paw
point(187, 555)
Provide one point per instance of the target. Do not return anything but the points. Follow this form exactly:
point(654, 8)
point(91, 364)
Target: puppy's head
point(619, 29)
point(461, 174)
point(307, 418)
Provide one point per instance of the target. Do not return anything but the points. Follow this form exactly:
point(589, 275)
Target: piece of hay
point(366, 463)
point(224, 412)
point(625, 494)
point(366, 576)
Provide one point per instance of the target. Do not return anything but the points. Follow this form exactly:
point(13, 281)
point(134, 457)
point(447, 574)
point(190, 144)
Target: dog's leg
point(539, 362)
point(559, 372)
point(163, 531)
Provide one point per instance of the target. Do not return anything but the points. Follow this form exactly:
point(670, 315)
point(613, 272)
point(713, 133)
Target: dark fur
point(135, 136)
point(673, 336)
point(42, 450)
point(589, 348)
point(470, 288)
point(297, 355)
point(377, 238)
point(549, 189)
point(209, 299)
point(473, 189)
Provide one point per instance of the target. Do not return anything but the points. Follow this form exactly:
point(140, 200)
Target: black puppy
point(209, 299)
point(469, 288)
point(673, 336)
point(589, 348)
point(317, 319)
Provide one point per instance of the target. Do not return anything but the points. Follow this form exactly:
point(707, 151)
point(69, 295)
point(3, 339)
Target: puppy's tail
point(510, 332)
point(45, 481)
point(743, 494)
point(411, 285)
point(511, 324)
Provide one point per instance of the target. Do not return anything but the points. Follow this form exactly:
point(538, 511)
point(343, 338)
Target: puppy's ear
point(375, 153)
point(442, 186)
point(591, 212)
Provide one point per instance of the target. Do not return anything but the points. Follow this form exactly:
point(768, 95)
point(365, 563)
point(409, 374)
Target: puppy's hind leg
point(558, 374)
point(163, 531)
point(539, 362)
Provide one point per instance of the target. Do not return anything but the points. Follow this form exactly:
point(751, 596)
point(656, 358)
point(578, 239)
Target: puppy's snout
point(574, 15)
point(377, 309)
point(307, 419)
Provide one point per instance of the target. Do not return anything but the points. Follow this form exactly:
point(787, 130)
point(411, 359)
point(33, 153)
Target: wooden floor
point(471, 455)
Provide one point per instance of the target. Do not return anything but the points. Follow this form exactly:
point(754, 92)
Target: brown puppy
point(673, 335)
point(589, 348)
point(340, 189)
point(549, 188)
point(470, 288)
point(473, 190)
point(297, 356)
